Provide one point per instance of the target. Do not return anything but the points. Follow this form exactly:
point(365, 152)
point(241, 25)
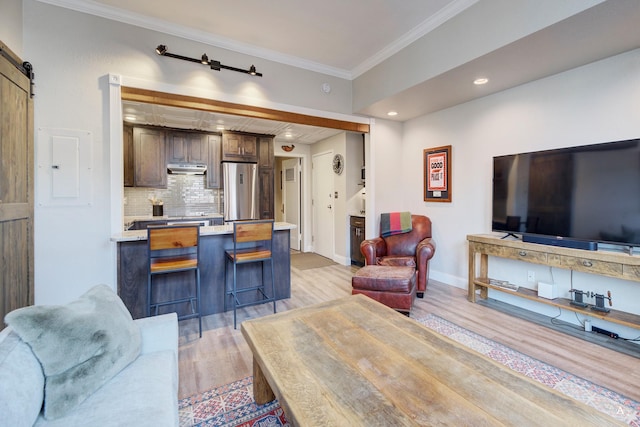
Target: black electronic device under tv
point(560, 241)
point(573, 197)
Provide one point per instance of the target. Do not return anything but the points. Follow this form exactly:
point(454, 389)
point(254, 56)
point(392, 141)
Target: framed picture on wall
point(437, 174)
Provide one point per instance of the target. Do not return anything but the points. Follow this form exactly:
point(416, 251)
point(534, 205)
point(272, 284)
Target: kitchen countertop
point(135, 235)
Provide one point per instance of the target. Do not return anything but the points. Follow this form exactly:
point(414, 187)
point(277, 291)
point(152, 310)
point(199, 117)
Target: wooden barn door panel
point(16, 186)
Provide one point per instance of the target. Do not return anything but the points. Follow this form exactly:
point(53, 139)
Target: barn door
point(16, 183)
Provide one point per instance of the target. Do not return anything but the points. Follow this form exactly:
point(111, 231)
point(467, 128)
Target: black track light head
point(204, 60)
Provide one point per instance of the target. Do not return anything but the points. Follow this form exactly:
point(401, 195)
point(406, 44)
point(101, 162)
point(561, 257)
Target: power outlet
point(531, 276)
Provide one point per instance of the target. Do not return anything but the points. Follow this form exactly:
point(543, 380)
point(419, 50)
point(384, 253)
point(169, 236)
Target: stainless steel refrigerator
point(240, 191)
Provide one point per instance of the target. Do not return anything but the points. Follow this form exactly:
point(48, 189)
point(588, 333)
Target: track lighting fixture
point(204, 60)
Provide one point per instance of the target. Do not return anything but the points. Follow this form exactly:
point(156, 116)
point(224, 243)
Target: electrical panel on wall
point(64, 167)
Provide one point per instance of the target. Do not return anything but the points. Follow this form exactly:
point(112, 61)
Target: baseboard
point(342, 260)
point(449, 279)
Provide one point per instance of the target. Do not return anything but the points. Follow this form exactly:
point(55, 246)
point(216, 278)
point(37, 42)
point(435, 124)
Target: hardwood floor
point(222, 356)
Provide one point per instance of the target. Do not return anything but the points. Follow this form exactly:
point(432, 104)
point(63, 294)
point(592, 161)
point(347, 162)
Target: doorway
point(292, 197)
point(322, 201)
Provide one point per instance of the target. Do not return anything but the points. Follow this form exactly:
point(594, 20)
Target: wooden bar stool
point(252, 242)
point(174, 249)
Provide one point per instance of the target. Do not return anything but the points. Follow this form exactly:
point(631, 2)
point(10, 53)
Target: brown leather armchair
point(414, 248)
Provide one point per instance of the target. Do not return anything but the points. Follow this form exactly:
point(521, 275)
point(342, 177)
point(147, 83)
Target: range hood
point(186, 169)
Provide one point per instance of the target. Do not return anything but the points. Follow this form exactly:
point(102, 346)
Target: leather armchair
point(414, 249)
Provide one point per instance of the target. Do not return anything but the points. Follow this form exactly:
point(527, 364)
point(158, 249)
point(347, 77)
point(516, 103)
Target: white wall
point(73, 54)
point(11, 25)
point(386, 183)
point(599, 102)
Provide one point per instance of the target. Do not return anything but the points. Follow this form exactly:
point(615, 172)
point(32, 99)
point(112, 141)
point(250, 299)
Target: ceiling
point(367, 32)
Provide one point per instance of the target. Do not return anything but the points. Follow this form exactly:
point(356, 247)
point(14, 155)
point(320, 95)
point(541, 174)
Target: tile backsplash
point(185, 195)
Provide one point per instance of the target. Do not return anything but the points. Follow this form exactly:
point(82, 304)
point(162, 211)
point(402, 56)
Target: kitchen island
point(214, 240)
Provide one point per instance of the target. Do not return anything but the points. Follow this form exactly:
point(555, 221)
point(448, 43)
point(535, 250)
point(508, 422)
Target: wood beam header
point(204, 104)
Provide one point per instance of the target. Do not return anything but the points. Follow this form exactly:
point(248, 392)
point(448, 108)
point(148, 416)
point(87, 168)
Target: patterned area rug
point(230, 405)
point(233, 404)
point(602, 399)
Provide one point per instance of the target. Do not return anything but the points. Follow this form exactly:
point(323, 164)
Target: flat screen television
point(584, 194)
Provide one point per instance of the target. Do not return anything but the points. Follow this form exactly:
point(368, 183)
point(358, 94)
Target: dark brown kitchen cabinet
point(239, 147)
point(213, 163)
point(266, 176)
point(127, 148)
point(266, 196)
point(150, 158)
point(187, 147)
point(265, 149)
point(357, 236)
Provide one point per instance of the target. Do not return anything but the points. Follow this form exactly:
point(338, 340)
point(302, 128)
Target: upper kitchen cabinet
point(239, 147)
point(265, 150)
point(187, 147)
point(149, 157)
point(127, 148)
point(213, 164)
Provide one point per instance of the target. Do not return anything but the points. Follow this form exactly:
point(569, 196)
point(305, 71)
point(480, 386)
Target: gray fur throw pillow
point(81, 345)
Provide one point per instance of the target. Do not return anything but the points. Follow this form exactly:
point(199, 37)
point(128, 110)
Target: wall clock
point(338, 163)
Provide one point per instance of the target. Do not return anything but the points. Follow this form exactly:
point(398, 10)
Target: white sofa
point(144, 393)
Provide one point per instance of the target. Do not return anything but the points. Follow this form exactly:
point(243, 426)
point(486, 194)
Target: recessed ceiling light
point(392, 113)
point(481, 81)
point(220, 127)
point(130, 118)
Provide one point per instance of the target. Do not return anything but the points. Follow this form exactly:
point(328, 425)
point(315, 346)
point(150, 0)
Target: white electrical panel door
point(64, 172)
point(65, 167)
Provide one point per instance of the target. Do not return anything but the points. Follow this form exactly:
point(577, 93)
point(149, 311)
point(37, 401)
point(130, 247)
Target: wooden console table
point(610, 264)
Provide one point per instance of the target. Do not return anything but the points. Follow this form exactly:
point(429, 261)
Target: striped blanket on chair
point(395, 223)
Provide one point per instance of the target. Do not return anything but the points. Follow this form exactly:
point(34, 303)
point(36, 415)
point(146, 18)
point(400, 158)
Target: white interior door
point(291, 198)
point(322, 183)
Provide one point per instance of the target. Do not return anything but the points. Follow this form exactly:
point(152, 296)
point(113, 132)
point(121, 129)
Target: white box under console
point(547, 290)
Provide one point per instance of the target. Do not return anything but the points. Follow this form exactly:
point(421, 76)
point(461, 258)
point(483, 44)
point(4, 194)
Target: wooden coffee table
point(354, 361)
